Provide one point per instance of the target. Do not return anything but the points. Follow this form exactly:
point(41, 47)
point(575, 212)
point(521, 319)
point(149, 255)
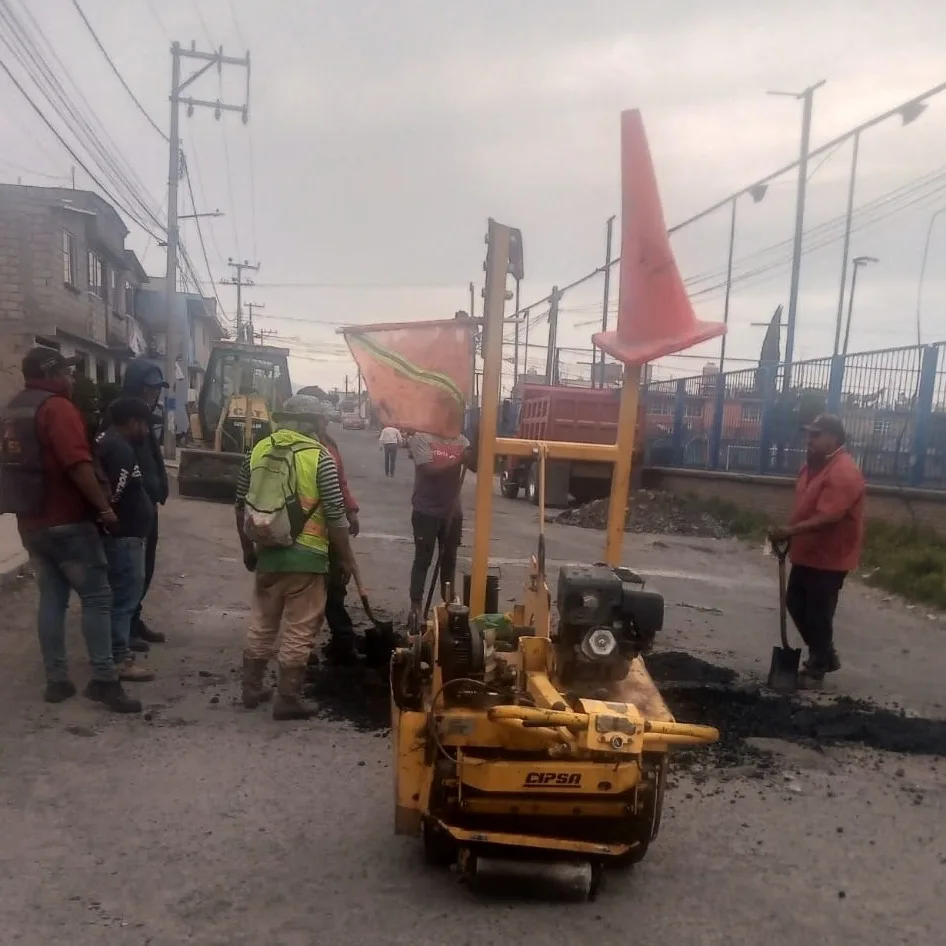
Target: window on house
point(82, 365)
point(751, 413)
point(129, 299)
point(70, 276)
point(693, 409)
point(882, 427)
point(113, 294)
point(101, 375)
point(97, 283)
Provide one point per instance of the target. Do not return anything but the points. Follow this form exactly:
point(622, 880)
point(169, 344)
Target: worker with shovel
point(825, 531)
point(289, 510)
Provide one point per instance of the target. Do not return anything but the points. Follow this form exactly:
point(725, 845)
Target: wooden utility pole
point(250, 324)
point(240, 282)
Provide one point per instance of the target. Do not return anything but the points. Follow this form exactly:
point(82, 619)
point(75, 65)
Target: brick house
point(66, 280)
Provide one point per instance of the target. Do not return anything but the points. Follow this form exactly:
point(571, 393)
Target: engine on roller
point(606, 618)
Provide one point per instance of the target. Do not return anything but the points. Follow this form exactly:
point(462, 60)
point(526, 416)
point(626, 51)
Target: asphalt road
point(205, 824)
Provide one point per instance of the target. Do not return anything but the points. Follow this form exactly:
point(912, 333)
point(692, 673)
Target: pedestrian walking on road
point(289, 511)
point(341, 650)
point(48, 479)
point(130, 427)
point(145, 380)
point(437, 517)
point(389, 441)
point(826, 532)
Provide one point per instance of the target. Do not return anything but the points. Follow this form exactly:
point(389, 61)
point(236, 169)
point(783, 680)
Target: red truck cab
point(565, 414)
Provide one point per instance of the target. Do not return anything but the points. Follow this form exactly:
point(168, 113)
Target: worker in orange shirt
point(826, 532)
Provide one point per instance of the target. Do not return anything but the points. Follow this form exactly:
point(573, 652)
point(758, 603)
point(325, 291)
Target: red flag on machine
point(419, 375)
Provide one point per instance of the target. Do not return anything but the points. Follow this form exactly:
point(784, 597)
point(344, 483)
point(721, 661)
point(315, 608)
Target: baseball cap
point(42, 360)
point(827, 424)
point(154, 378)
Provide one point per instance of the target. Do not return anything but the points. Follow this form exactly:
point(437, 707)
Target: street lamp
point(807, 98)
point(757, 193)
point(856, 264)
point(919, 288)
point(908, 113)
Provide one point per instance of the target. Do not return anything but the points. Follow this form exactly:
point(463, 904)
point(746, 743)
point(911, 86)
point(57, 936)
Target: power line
point(66, 145)
point(115, 69)
point(200, 237)
point(98, 144)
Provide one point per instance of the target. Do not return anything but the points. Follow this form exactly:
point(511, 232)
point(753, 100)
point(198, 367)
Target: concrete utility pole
point(250, 330)
point(550, 362)
point(807, 98)
point(605, 302)
point(265, 333)
point(240, 282)
point(175, 333)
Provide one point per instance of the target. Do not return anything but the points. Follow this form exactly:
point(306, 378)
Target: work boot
point(289, 703)
point(58, 691)
point(130, 672)
point(811, 680)
point(254, 692)
point(144, 633)
point(110, 693)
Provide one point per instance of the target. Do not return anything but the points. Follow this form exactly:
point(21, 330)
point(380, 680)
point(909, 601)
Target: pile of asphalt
point(650, 511)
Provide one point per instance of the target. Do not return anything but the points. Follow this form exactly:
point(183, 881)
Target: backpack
point(273, 516)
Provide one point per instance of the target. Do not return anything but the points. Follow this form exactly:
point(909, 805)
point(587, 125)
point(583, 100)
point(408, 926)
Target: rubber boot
point(254, 692)
point(289, 703)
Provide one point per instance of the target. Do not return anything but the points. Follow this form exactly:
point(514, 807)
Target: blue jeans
point(71, 558)
point(126, 575)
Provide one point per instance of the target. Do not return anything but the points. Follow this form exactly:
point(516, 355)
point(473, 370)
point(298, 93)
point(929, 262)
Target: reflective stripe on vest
point(306, 454)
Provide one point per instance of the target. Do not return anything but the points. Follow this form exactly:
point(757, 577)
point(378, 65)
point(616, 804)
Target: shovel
point(783, 672)
point(380, 640)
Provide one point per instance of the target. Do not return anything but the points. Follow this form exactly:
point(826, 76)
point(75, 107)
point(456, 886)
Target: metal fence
point(892, 403)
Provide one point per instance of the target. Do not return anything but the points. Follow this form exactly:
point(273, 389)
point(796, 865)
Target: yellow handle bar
point(655, 732)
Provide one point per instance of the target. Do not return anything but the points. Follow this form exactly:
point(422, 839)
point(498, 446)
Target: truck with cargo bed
point(565, 414)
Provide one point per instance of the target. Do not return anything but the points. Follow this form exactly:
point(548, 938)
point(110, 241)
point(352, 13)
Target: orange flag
point(419, 375)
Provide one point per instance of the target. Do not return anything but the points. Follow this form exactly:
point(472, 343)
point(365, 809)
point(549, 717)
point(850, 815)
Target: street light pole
point(856, 141)
point(856, 264)
point(807, 98)
point(729, 262)
point(919, 288)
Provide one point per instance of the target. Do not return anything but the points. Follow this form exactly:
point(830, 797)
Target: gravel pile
point(651, 511)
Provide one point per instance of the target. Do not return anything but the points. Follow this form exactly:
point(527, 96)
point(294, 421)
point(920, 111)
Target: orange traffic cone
point(655, 316)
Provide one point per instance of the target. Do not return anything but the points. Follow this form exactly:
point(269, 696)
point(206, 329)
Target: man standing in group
point(145, 380)
point(47, 478)
point(437, 516)
point(341, 649)
point(389, 442)
point(826, 532)
point(289, 552)
point(130, 421)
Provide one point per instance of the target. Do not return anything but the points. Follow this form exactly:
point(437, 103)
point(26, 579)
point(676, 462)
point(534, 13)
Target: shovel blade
point(783, 671)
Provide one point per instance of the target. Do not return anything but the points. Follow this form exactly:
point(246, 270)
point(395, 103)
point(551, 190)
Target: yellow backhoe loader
point(242, 387)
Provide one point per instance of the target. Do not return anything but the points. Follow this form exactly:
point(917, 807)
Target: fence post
point(836, 383)
point(677, 444)
point(716, 431)
point(768, 377)
point(924, 408)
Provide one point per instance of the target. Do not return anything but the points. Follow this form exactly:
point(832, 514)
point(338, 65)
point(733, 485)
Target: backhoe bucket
point(204, 474)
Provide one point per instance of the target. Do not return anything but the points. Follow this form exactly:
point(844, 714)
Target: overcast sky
point(383, 134)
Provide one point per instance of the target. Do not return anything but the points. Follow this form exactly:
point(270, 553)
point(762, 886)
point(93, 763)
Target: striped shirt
point(330, 490)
